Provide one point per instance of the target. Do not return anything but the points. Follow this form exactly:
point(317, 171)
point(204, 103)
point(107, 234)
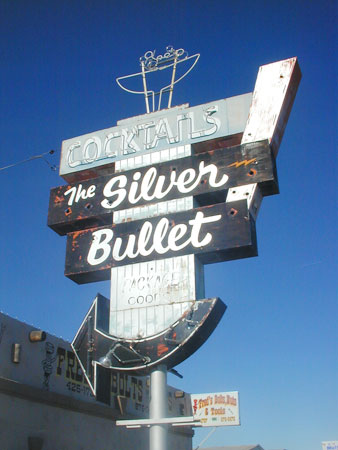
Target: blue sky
point(277, 343)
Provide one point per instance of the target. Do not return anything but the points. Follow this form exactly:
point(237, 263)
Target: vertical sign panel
point(147, 298)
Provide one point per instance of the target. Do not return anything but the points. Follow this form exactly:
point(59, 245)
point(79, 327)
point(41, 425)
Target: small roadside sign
point(216, 409)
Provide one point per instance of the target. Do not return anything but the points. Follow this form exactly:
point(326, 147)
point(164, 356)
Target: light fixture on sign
point(37, 336)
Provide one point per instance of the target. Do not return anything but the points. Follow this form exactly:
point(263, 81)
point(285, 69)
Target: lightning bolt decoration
point(241, 163)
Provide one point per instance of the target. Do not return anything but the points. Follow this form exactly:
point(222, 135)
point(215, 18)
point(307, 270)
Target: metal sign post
point(151, 201)
point(158, 437)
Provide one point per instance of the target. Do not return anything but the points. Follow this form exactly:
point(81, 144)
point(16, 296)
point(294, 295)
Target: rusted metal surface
point(92, 203)
point(215, 233)
point(273, 97)
point(139, 356)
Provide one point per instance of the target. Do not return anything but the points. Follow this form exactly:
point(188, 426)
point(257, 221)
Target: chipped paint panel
point(216, 233)
point(251, 193)
point(97, 202)
point(273, 97)
point(171, 347)
point(275, 90)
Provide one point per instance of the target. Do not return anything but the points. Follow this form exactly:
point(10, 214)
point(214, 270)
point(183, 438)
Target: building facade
point(46, 404)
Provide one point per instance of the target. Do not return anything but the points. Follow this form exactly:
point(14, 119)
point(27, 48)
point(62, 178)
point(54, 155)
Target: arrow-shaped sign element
point(96, 348)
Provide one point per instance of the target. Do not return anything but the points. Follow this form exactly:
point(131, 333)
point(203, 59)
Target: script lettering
point(139, 189)
point(103, 245)
point(100, 246)
point(93, 252)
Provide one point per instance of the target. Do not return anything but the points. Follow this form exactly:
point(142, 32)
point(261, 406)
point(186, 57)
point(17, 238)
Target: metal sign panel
point(275, 90)
point(216, 233)
point(96, 348)
point(92, 202)
point(125, 225)
point(153, 132)
point(147, 298)
point(216, 409)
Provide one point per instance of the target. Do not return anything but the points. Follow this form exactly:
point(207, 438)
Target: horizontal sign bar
point(153, 132)
point(215, 233)
point(92, 202)
point(146, 422)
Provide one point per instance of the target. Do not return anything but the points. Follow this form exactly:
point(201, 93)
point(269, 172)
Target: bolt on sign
point(153, 199)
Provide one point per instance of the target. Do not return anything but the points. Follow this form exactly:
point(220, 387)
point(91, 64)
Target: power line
point(31, 158)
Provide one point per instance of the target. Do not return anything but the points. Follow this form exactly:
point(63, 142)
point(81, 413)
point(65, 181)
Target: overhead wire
point(31, 158)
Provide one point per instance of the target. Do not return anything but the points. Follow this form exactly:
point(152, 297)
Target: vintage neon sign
point(221, 229)
point(89, 203)
point(154, 132)
point(91, 253)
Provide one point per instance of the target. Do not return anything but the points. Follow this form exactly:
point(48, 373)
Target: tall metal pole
point(158, 436)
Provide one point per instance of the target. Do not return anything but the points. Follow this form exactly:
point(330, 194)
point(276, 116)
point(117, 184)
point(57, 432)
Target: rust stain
point(252, 173)
point(161, 348)
point(241, 163)
point(58, 199)
point(232, 212)
point(75, 244)
point(107, 266)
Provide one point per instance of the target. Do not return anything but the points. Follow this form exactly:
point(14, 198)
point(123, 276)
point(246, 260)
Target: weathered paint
point(273, 97)
point(216, 233)
point(93, 202)
point(171, 347)
point(88, 155)
point(148, 297)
